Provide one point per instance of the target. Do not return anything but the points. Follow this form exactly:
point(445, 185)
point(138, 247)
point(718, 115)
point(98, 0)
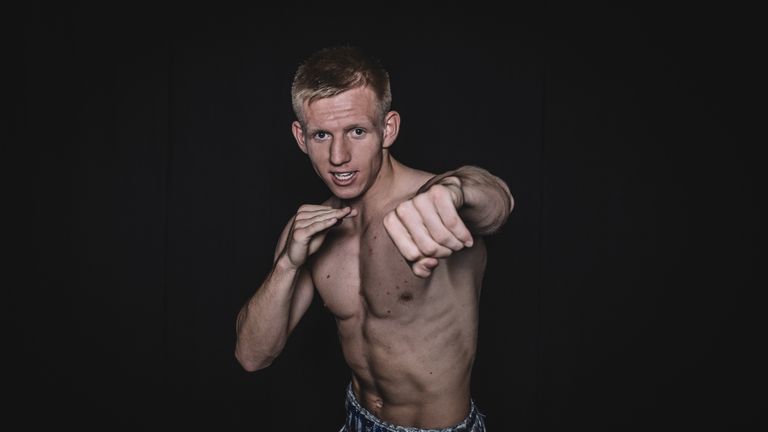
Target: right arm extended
point(271, 314)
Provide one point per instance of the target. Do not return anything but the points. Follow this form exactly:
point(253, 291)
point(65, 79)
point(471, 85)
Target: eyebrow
point(311, 132)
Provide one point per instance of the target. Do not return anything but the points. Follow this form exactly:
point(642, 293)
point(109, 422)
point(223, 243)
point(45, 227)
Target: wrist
point(283, 264)
point(454, 186)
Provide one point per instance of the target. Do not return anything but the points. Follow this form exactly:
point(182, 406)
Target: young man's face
point(345, 140)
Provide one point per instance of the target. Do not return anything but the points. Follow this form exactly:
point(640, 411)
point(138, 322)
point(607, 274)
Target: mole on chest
point(371, 270)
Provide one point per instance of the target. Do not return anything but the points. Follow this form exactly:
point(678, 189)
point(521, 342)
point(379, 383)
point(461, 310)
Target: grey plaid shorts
point(361, 420)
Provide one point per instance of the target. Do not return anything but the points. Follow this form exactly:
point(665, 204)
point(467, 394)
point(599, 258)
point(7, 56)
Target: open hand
point(310, 226)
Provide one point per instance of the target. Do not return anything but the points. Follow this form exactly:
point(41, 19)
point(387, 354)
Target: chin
point(345, 194)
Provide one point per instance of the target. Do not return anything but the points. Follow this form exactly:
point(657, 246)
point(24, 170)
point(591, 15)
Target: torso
point(410, 342)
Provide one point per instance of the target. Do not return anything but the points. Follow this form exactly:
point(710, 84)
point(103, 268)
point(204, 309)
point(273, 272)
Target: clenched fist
point(427, 226)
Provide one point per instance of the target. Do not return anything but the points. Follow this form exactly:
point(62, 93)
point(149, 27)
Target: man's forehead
point(361, 96)
point(342, 109)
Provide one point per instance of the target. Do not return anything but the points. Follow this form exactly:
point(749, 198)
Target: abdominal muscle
point(410, 342)
point(416, 374)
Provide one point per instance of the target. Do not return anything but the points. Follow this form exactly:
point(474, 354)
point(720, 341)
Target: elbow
point(254, 363)
point(493, 220)
point(250, 366)
point(506, 205)
point(507, 198)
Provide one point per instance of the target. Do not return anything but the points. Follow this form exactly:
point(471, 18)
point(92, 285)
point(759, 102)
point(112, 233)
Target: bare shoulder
point(415, 178)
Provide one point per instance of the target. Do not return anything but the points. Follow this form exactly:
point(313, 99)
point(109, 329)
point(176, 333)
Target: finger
point(352, 213)
point(312, 207)
point(453, 222)
point(318, 238)
point(322, 215)
point(412, 221)
point(423, 267)
point(401, 238)
point(304, 234)
point(433, 223)
point(310, 213)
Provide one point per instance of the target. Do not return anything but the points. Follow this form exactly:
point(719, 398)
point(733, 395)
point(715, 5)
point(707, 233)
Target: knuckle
point(444, 252)
point(404, 207)
point(442, 238)
point(429, 250)
point(437, 190)
point(451, 220)
point(299, 234)
point(420, 270)
point(411, 255)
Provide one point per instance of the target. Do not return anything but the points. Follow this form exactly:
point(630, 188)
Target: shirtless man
point(396, 254)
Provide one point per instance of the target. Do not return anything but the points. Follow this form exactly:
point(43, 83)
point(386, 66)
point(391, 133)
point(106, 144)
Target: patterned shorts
point(361, 420)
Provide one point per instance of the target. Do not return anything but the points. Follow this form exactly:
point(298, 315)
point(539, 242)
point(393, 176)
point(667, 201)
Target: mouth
point(343, 178)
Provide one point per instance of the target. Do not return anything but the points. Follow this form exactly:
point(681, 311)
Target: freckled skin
point(407, 326)
point(410, 354)
point(413, 351)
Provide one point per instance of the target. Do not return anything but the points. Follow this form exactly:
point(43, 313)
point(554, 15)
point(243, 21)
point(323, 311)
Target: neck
point(380, 192)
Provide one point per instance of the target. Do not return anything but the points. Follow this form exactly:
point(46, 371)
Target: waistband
point(360, 419)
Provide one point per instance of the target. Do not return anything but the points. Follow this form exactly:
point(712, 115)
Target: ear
point(298, 133)
point(391, 128)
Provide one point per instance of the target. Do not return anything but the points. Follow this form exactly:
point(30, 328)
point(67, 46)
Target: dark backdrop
point(151, 168)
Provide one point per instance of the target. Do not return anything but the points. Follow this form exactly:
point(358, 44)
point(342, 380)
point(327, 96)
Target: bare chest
point(365, 273)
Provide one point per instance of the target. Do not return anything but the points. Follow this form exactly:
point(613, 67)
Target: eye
point(320, 135)
point(358, 132)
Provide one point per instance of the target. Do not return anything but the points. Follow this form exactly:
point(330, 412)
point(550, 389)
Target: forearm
point(263, 322)
point(485, 199)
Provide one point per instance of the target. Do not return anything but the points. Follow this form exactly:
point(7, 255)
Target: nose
point(340, 153)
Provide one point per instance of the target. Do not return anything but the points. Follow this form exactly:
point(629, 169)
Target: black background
point(150, 168)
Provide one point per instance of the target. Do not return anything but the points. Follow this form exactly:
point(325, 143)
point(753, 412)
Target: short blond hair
point(331, 71)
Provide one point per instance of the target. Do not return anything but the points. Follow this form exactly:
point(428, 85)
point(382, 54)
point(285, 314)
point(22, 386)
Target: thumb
point(424, 266)
point(316, 242)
